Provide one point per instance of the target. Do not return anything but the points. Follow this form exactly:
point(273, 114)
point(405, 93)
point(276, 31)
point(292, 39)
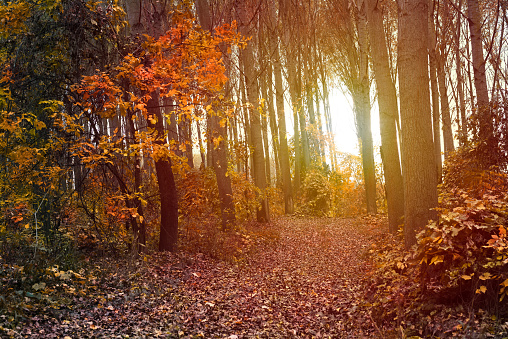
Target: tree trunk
point(166, 182)
point(141, 230)
point(418, 160)
point(445, 106)
point(388, 115)
point(480, 80)
point(255, 121)
point(218, 149)
point(304, 135)
point(165, 179)
point(436, 120)
point(200, 142)
point(362, 108)
point(273, 123)
point(460, 82)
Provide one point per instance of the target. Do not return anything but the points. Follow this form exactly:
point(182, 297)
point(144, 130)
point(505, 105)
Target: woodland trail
point(306, 284)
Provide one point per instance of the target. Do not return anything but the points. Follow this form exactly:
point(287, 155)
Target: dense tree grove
point(129, 127)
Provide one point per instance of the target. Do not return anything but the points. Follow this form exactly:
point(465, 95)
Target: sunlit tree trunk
point(295, 102)
point(480, 81)
point(263, 65)
point(445, 107)
point(436, 116)
point(304, 135)
point(287, 186)
point(255, 119)
point(388, 115)
point(200, 143)
point(361, 98)
point(442, 56)
point(418, 160)
point(218, 135)
point(460, 82)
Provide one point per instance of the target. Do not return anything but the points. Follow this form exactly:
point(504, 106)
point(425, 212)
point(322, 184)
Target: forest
point(171, 169)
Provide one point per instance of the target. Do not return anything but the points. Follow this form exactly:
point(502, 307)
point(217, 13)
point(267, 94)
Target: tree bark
point(436, 117)
point(362, 107)
point(218, 148)
point(480, 80)
point(165, 179)
point(460, 82)
point(255, 121)
point(418, 160)
point(388, 115)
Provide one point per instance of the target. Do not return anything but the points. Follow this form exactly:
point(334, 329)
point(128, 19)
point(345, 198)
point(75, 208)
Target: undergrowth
point(453, 282)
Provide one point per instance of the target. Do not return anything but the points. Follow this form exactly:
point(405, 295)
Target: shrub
point(460, 262)
point(315, 193)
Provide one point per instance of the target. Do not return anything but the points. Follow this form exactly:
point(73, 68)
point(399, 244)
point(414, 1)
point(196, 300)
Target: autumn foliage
point(460, 260)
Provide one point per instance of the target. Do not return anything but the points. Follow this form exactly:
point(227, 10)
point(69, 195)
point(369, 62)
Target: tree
point(361, 99)
point(248, 61)
point(388, 115)
point(148, 20)
point(418, 161)
point(436, 116)
point(483, 111)
point(218, 135)
point(351, 60)
point(279, 99)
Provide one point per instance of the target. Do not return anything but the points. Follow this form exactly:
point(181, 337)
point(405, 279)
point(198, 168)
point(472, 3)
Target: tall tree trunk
point(218, 136)
point(200, 143)
point(309, 99)
point(480, 80)
point(418, 161)
point(141, 230)
point(304, 135)
point(445, 106)
point(166, 182)
point(460, 82)
point(362, 108)
point(436, 117)
point(287, 186)
point(165, 179)
point(388, 115)
point(255, 119)
point(291, 79)
point(247, 131)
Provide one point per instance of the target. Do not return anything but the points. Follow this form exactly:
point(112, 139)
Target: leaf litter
point(307, 284)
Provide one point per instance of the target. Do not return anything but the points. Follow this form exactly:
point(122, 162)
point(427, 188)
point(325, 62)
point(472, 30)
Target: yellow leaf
point(482, 289)
point(436, 259)
point(485, 276)
point(39, 125)
point(466, 277)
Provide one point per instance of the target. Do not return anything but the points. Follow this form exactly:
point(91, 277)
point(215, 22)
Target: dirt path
point(306, 286)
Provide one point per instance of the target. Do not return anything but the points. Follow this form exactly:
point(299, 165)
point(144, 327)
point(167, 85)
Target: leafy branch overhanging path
point(307, 283)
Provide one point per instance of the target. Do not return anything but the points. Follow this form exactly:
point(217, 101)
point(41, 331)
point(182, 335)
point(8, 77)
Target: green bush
point(316, 192)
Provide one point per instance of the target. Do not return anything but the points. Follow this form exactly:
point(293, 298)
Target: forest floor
point(305, 283)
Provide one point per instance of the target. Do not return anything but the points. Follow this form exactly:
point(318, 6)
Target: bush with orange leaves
point(460, 262)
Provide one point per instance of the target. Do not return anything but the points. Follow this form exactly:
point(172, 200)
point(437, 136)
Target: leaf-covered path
point(306, 284)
